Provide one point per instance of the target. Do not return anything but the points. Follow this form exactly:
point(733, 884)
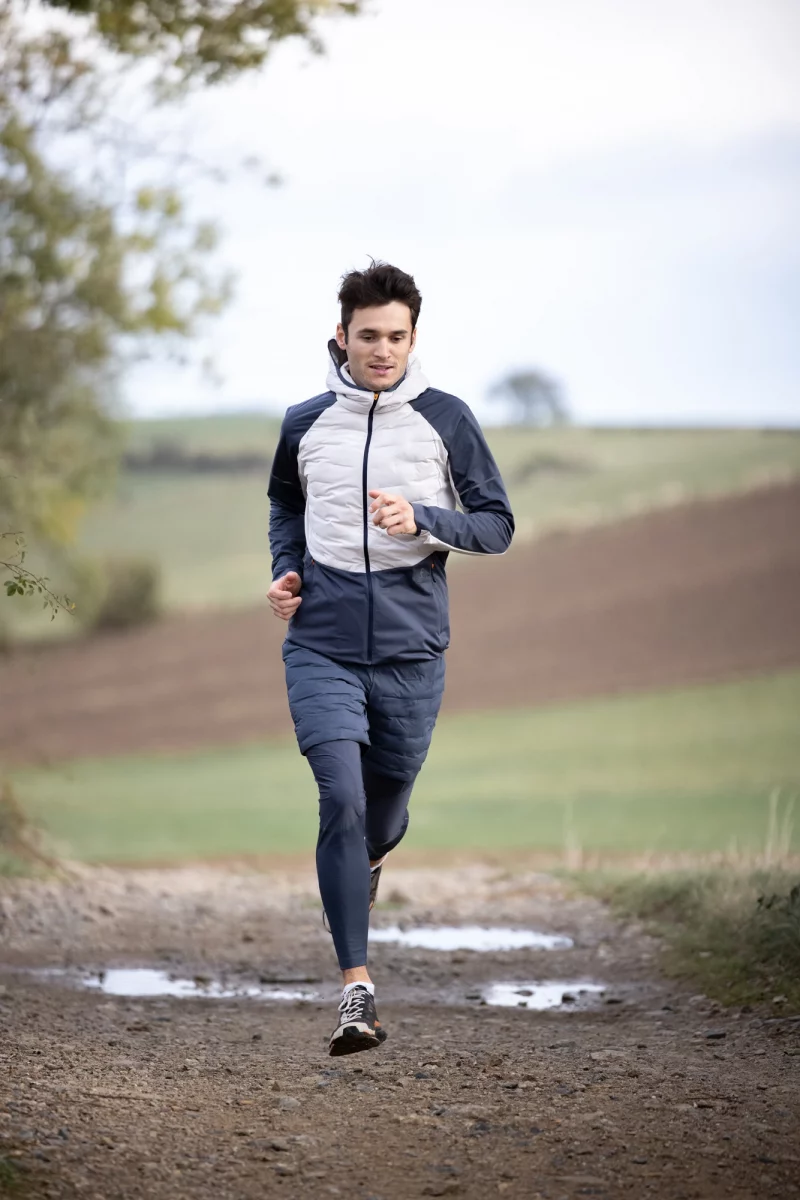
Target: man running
point(373, 483)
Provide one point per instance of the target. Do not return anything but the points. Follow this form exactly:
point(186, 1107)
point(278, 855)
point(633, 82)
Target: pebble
point(288, 1103)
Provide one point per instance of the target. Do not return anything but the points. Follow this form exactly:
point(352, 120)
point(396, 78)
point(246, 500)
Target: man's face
point(378, 343)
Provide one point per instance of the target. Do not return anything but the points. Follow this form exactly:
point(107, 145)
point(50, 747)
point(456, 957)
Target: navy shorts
point(391, 708)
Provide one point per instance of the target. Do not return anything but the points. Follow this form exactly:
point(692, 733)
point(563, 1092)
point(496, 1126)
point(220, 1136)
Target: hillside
point(208, 529)
point(708, 591)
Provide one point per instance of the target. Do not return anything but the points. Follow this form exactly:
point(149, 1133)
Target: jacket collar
point(339, 381)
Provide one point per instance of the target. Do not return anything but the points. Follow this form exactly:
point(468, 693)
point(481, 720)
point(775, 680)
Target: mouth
point(380, 368)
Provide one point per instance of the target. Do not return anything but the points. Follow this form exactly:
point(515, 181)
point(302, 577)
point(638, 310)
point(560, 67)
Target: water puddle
point(469, 937)
point(540, 996)
point(146, 982)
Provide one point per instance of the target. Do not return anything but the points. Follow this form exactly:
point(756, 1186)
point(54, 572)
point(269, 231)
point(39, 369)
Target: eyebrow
point(392, 332)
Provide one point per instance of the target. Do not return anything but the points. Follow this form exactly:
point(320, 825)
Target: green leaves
point(93, 272)
point(204, 41)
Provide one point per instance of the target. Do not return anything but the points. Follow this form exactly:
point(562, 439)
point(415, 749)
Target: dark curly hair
point(381, 283)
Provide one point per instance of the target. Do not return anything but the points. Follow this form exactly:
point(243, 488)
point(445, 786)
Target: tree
point(205, 41)
point(536, 397)
point(92, 274)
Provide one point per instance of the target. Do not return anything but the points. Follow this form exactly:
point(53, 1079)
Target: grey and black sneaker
point(359, 1027)
point(374, 880)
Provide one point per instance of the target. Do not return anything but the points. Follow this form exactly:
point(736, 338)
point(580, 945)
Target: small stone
point(288, 1103)
point(716, 1034)
point(285, 1169)
point(568, 998)
point(279, 1144)
point(257, 1037)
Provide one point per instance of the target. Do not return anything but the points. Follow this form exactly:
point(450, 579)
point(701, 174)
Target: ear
point(413, 341)
point(341, 337)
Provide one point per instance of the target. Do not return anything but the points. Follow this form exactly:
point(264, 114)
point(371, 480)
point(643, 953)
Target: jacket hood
point(339, 381)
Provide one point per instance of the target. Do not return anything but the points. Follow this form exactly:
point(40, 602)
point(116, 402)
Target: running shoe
point(374, 880)
point(359, 1027)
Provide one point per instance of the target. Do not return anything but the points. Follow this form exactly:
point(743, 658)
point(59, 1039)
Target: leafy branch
point(24, 582)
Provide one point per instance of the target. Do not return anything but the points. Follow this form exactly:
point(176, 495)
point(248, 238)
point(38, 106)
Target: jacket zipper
point(365, 500)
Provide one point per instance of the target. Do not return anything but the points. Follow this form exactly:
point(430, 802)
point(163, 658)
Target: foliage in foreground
point(735, 935)
point(100, 261)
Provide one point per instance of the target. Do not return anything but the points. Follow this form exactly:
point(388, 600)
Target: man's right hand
point(283, 596)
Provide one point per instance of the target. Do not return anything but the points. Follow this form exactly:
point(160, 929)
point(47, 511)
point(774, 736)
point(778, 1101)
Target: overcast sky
point(606, 189)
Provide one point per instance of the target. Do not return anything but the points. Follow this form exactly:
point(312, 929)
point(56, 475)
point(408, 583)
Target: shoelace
point(352, 1005)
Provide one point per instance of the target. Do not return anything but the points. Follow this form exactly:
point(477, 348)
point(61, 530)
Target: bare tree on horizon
point(536, 396)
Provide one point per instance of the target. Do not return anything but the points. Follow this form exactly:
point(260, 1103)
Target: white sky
point(607, 189)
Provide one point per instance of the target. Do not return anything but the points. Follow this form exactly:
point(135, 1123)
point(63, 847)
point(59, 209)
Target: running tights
point(362, 816)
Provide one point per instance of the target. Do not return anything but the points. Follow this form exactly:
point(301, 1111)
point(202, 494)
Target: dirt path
point(651, 1091)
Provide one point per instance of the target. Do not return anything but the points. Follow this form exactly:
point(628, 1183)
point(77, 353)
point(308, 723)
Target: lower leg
point(386, 823)
point(387, 812)
point(342, 859)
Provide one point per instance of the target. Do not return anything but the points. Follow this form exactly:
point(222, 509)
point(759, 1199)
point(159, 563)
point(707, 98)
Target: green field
point(210, 533)
point(688, 771)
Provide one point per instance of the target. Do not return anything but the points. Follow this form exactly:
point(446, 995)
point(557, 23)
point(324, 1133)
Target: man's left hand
point(392, 513)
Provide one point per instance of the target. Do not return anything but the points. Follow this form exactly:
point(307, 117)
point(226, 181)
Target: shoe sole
point(352, 1040)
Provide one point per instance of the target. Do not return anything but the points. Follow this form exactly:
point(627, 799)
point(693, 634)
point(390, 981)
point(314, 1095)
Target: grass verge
point(696, 771)
point(735, 935)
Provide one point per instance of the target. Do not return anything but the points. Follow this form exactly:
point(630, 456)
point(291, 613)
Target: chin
point(385, 381)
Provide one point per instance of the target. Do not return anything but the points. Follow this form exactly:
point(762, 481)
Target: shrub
point(118, 593)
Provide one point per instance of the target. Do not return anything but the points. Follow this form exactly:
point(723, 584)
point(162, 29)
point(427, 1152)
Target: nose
point(382, 349)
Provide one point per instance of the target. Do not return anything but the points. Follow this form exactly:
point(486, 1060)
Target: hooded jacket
point(369, 597)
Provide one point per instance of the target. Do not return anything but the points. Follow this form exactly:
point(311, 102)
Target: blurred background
point(598, 200)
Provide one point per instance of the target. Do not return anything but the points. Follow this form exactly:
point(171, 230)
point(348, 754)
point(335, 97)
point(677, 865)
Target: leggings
point(362, 816)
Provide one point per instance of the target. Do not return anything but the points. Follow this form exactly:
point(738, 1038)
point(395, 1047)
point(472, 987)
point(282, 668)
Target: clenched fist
point(393, 513)
point(283, 596)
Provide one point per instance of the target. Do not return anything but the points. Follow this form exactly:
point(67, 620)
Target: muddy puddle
point(484, 939)
point(147, 983)
point(540, 996)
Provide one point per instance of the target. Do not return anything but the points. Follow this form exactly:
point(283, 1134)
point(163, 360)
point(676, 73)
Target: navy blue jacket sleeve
point(486, 526)
point(287, 509)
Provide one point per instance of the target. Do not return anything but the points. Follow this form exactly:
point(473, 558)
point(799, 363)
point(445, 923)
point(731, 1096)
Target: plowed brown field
point(704, 592)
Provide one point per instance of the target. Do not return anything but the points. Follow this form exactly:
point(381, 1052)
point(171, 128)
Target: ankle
point(355, 975)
